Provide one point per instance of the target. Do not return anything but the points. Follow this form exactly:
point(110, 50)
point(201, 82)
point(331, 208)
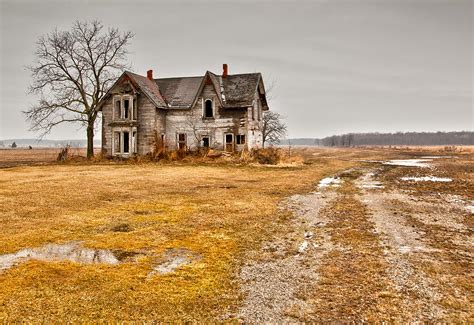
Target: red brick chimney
point(149, 74)
point(224, 70)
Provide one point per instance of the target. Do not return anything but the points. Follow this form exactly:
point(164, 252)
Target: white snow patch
point(372, 186)
point(408, 162)
point(470, 208)
point(427, 179)
point(330, 181)
point(303, 246)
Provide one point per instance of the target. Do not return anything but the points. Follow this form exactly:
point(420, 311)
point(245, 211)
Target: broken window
point(240, 139)
point(229, 142)
point(205, 141)
point(135, 109)
point(126, 108)
point(208, 111)
point(116, 142)
point(118, 109)
point(126, 142)
point(181, 141)
point(134, 142)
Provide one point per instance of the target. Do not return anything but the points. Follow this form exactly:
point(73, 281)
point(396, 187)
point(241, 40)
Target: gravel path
point(279, 282)
point(275, 277)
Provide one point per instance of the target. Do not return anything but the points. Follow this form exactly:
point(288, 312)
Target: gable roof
point(233, 91)
point(149, 88)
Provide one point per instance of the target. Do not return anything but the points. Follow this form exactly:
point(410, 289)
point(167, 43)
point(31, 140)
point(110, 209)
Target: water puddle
point(367, 181)
point(173, 259)
point(330, 182)
point(408, 162)
point(427, 179)
point(70, 252)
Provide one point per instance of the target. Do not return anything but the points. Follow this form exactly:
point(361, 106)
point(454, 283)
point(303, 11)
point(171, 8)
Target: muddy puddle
point(68, 252)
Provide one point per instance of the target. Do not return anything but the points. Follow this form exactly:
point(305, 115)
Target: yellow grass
point(216, 211)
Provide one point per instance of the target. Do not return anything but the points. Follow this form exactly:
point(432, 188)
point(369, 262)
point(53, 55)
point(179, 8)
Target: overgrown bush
point(267, 156)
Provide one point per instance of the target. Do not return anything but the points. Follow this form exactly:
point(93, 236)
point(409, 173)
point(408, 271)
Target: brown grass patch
point(216, 211)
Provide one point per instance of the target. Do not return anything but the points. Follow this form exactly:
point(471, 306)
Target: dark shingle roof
point(179, 91)
point(234, 90)
point(239, 89)
point(149, 87)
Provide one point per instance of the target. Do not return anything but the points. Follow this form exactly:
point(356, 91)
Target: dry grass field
point(221, 242)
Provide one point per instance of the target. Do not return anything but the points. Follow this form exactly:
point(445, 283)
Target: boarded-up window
point(116, 142)
point(240, 139)
point(208, 111)
point(181, 141)
point(126, 142)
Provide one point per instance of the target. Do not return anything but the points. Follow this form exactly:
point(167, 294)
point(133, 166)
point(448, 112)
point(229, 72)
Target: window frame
point(239, 138)
point(208, 141)
point(204, 108)
point(117, 99)
point(229, 143)
point(181, 142)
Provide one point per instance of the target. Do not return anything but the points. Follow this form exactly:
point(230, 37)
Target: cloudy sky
point(337, 66)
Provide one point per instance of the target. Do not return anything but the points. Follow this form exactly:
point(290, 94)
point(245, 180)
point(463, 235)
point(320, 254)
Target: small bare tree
point(273, 128)
point(72, 72)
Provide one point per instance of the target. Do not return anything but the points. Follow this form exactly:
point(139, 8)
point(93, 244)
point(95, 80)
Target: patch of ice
point(373, 186)
point(470, 208)
point(72, 252)
point(303, 246)
point(330, 181)
point(427, 179)
point(173, 259)
point(367, 181)
point(408, 162)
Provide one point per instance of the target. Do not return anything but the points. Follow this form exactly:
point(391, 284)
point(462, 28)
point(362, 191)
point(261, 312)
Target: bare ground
point(371, 254)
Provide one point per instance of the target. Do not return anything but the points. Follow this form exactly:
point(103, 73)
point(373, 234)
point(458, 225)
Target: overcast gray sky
point(338, 66)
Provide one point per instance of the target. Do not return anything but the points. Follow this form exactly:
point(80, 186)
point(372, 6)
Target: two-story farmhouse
point(223, 112)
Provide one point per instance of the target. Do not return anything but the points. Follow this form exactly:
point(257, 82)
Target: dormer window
point(208, 109)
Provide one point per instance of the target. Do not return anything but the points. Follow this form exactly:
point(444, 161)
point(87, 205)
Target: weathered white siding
point(192, 123)
point(154, 122)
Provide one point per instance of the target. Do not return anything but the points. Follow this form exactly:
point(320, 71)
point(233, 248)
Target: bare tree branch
point(72, 72)
point(273, 128)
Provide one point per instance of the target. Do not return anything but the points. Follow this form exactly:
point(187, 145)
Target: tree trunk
point(90, 141)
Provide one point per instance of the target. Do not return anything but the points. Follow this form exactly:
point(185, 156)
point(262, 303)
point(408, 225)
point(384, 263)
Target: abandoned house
point(224, 112)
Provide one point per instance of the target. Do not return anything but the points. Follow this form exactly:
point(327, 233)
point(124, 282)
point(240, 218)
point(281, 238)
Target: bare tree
point(273, 128)
point(72, 72)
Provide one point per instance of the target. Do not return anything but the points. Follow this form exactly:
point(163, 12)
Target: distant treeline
point(37, 143)
point(389, 139)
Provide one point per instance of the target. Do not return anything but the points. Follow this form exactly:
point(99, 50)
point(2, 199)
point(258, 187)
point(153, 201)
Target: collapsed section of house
point(222, 112)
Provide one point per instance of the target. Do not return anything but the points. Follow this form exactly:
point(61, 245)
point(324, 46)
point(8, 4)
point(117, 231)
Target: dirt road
point(360, 249)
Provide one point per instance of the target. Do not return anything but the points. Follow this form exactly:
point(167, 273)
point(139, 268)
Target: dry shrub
point(63, 154)
point(267, 156)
